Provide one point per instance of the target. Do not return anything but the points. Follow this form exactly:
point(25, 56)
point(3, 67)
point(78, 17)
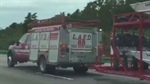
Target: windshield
point(23, 38)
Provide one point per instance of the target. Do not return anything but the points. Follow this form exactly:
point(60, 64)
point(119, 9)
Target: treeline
point(98, 9)
point(14, 31)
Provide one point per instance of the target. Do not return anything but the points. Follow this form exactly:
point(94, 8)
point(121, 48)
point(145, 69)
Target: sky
point(16, 10)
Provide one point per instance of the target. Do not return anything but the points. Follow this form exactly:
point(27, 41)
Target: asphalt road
point(28, 73)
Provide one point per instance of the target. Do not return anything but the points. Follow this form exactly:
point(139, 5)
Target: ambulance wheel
point(44, 67)
point(80, 69)
point(10, 60)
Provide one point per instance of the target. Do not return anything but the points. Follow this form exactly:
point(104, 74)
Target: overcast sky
point(16, 10)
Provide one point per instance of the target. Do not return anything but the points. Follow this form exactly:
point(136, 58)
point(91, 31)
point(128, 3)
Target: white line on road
point(55, 76)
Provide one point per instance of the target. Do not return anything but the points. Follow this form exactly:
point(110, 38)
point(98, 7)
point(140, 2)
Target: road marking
point(55, 76)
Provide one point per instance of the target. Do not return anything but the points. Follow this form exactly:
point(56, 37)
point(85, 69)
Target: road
point(28, 73)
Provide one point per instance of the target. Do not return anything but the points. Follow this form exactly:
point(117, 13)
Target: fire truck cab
point(60, 43)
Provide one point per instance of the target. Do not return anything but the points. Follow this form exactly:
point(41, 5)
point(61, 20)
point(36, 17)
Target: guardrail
point(3, 51)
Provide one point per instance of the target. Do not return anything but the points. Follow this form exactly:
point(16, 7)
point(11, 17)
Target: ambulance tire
point(44, 67)
point(10, 60)
point(80, 69)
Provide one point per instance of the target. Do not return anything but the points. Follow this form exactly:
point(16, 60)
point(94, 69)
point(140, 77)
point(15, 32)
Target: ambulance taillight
point(63, 49)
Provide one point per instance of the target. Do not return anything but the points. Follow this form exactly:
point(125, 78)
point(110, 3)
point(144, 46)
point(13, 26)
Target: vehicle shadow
point(68, 72)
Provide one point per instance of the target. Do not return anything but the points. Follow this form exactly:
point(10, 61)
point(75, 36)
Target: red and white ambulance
point(53, 44)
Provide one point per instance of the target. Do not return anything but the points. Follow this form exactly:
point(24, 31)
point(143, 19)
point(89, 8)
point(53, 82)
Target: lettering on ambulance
point(86, 37)
point(82, 40)
point(43, 36)
point(53, 36)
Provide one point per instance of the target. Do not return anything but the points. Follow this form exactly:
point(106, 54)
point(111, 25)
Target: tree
point(89, 11)
point(76, 14)
point(29, 18)
point(13, 25)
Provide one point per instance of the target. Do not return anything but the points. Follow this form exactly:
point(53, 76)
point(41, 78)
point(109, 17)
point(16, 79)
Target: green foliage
point(29, 18)
point(14, 31)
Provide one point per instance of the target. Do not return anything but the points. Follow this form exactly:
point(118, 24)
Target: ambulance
point(58, 43)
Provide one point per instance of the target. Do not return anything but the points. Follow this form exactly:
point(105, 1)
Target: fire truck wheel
point(80, 69)
point(10, 60)
point(44, 67)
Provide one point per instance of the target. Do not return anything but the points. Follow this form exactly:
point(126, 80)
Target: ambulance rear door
point(83, 45)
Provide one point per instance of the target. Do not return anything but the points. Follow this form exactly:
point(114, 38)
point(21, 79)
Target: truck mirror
point(17, 43)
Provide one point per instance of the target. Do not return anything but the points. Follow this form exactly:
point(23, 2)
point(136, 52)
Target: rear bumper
point(70, 64)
